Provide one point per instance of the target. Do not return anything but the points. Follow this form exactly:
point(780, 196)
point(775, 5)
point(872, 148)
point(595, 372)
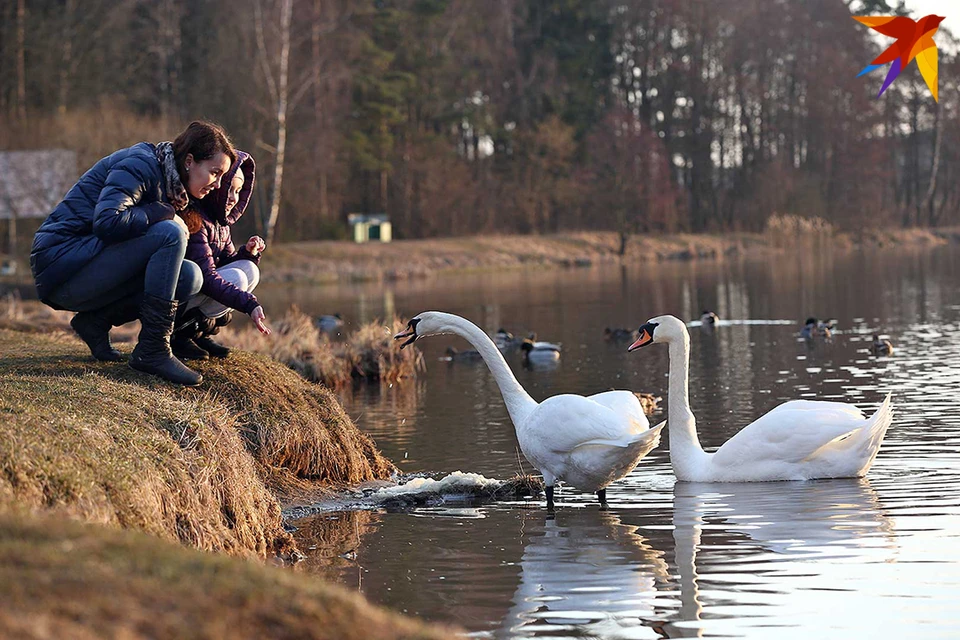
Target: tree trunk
point(21, 70)
point(934, 167)
point(286, 10)
point(66, 56)
point(320, 162)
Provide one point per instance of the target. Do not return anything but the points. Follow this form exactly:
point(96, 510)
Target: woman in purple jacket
point(229, 275)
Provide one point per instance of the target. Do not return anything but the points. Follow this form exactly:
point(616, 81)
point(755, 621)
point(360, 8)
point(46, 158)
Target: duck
point(619, 335)
point(813, 328)
point(329, 324)
point(708, 318)
point(454, 354)
point(797, 440)
point(538, 351)
point(588, 442)
point(881, 346)
point(505, 340)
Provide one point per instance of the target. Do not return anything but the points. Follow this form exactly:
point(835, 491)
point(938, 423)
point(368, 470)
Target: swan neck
point(518, 401)
point(684, 443)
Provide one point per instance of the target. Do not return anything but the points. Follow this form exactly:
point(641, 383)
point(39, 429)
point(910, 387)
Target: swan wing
point(562, 423)
point(790, 432)
point(624, 403)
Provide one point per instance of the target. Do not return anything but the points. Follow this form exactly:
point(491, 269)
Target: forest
point(461, 117)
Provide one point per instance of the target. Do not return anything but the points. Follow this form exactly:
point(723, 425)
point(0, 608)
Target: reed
point(786, 230)
point(370, 353)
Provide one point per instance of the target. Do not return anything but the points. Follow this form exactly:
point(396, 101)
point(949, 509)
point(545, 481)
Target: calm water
point(877, 557)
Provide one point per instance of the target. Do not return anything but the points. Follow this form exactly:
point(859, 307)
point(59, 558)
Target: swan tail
point(649, 438)
point(877, 427)
point(864, 440)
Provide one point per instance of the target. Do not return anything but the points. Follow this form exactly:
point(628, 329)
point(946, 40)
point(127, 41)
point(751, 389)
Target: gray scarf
point(173, 188)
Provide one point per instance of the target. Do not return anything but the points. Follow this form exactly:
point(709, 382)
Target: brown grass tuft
point(291, 425)
point(786, 230)
point(369, 354)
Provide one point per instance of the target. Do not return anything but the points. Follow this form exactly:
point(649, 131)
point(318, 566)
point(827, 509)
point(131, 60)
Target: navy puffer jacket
point(114, 201)
point(211, 245)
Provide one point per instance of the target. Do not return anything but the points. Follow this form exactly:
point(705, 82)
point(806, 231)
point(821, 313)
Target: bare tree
point(21, 69)
point(278, 87)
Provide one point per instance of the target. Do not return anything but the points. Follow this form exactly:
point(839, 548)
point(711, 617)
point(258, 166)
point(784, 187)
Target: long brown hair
point(203, 140)
point(191, 217)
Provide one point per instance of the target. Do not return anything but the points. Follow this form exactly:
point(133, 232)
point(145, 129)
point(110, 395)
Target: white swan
point(586, 442)
point(798, 440)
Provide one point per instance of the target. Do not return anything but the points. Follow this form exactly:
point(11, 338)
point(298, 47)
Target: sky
point(948, 8)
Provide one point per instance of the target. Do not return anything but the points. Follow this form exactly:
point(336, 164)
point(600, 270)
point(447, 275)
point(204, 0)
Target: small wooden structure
point(32, 184)
point(373, 227)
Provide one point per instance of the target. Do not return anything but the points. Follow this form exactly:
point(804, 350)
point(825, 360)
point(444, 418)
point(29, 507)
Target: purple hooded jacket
point(211, 246)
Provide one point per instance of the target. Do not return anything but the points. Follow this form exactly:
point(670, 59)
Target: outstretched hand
point(260, 320)
point(255, 245)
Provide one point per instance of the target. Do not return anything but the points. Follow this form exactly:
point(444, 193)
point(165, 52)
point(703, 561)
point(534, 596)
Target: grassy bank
point(203, 466)
point(320, 262)
point(60, 579)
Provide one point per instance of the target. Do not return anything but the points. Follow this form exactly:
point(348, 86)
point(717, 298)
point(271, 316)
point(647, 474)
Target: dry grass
point(291, 424)
point(369, 354)
point(91, 448)
point(66, 580)
point(105, 443)
point(20, 315)
point(786, 230)
point(32, 316)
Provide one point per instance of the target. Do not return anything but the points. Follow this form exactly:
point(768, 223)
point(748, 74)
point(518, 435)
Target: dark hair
point(203, 140)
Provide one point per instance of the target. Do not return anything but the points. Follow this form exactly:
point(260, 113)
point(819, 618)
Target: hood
point(214, 206)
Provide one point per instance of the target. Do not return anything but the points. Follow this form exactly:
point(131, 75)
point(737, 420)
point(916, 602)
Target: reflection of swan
point(743, 522)
point(588, 442)
point(798, 440)
point(586, 568)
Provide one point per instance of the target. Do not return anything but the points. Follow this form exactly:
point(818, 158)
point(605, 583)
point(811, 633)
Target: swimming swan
point(587, 442)
point(798, 440)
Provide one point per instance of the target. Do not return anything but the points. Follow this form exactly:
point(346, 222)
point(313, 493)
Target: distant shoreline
point(338, 261)
point(327, 262)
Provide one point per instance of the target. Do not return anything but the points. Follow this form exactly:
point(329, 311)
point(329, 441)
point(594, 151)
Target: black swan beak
point(410, 332)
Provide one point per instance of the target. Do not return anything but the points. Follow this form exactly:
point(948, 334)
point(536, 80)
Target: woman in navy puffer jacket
point(113, 249)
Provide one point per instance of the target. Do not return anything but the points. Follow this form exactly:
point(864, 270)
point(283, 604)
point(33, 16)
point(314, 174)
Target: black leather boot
point(210, 327)
point(186, 329)
point(93, 327)
point(152, 353)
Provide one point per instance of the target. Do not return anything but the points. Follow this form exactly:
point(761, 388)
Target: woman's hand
point(260, 320)
point(255, 245)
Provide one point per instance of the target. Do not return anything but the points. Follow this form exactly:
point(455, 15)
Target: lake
point(852, 558)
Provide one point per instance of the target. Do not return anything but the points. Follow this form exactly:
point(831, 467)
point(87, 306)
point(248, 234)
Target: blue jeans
point(152, 263)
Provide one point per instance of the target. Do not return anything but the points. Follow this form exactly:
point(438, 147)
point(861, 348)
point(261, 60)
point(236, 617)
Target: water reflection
point(752, 543)
point(586, 571)
point(839, 558)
